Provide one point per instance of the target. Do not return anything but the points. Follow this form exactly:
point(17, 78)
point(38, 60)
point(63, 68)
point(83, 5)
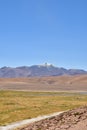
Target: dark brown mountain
point(37, 70)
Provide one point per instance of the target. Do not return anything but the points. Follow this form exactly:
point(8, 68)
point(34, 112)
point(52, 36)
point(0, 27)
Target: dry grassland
point(19, 105)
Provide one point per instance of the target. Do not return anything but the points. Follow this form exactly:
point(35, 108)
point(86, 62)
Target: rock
point(66, 121)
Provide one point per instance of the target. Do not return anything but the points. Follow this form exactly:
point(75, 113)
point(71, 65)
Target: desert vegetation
point(20, 105)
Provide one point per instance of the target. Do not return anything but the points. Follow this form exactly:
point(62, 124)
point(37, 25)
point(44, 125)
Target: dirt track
point(19, 124)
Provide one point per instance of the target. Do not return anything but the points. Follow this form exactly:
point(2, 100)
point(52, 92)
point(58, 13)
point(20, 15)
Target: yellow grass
point(16, 106)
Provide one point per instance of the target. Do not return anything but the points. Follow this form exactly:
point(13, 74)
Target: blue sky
point(39, 31)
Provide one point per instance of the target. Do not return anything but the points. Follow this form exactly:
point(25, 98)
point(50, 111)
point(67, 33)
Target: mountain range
point(38, 70)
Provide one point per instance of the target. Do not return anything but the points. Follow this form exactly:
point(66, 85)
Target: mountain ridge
point(38, 71)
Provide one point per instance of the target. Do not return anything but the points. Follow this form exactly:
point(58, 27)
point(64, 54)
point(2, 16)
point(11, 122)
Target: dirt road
point(28, 121)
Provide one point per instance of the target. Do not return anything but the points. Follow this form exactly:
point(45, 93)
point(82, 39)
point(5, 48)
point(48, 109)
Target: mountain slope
point(37, 70)
point(50, 83)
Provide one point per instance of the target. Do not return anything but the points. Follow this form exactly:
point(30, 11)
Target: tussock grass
point(19, 105)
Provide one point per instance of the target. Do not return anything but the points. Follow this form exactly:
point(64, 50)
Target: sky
point(37, 31)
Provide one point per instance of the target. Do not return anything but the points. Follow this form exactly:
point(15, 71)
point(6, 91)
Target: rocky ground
point(75, 119)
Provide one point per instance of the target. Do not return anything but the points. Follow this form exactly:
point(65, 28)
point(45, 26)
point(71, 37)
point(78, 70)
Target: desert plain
point(25, 98)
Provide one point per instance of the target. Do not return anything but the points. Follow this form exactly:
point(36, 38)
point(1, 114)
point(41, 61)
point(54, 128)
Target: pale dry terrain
point(55, 83)
point(75, 119)
point(17, 105)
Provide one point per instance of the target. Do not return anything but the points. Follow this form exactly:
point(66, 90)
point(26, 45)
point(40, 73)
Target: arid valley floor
point(59, 83)
point(25, 98)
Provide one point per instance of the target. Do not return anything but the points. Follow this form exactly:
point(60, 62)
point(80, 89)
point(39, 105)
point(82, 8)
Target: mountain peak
point(46, 65)
point(38, 70)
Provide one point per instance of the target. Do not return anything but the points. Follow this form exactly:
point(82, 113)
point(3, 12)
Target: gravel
point(75, 119)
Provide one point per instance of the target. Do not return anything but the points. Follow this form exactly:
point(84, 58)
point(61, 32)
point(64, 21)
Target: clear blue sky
point(38, 31)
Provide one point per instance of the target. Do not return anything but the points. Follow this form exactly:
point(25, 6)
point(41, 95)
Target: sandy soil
point(55, 83)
